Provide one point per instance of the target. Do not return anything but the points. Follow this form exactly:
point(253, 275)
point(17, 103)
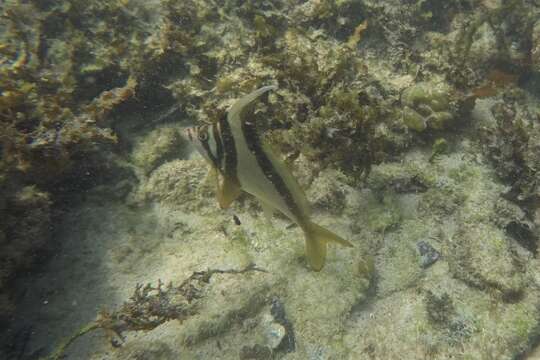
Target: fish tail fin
point(316, 239)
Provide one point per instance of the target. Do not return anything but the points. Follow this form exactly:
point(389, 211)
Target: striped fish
point(242, 162)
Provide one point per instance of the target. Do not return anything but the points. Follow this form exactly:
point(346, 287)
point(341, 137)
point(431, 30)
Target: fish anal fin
point(211, 177)
point(228, 190)
point(267, 210)
point(317, 239)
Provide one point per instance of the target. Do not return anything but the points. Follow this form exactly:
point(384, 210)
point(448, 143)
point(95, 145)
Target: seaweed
point(149, 307)
point(513, 145)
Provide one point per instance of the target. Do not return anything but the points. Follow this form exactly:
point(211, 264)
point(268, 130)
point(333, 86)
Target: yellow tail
point(316, 239)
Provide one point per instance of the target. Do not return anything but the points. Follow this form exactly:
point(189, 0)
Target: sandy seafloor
point(171, 225)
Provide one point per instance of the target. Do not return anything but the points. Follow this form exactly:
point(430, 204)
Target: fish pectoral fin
point(316, 239)
point(228, 190)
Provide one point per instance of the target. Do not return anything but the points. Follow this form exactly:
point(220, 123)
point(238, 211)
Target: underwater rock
point(484, 49)
point(145, 350)
point(260, 328)
point(513, 144)
point(428, 105)
point(440, 309)
point(156, 147)
point(255, 352)
point(304, 171)
point(178, 183)
point(535, 49)
point(398, 269)
point(328, 191)
point(428, 254)
point(336, 16)
point(413, 177)
point(287, 342)
point(232, 303)
point(517, 225)
point(481, 256)
point(449, 325)
point(273, 331)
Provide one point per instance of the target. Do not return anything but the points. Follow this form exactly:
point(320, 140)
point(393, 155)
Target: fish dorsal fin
point(227, 190)
point(234, 115)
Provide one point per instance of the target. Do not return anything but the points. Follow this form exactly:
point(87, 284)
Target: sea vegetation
point(374, 112)
point(149, 307)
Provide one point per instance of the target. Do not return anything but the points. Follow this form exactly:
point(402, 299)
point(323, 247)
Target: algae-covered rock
point(399, 268)
point(413, 176)
point(535, 50)
point(145, 350)
point(179, 183)
point(484, 47)
point(156, 147)
point(429, 105)
point(328, 191)
point(482, 256)
point(512, 142)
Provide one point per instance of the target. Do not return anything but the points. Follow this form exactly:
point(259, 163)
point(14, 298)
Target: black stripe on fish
point(219, 146)
point(254, 145)
point(204, 138)
point(231, 161)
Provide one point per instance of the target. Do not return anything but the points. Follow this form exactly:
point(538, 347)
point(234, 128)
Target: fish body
point(242, 162)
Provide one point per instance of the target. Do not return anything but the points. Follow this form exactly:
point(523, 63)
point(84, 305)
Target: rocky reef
point(60, 78)
point(413, 127)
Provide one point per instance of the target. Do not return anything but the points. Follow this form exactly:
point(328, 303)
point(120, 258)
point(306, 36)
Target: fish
point(241, 162)
point(496, 80)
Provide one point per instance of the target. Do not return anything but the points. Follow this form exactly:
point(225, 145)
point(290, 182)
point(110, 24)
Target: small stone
point(274, 332)
point(288, 341)
point(428, 255)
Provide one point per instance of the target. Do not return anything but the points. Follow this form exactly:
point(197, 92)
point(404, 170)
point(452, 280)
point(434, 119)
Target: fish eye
point(202, 133)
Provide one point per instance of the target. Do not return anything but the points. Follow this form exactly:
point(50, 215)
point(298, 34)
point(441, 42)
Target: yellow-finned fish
point(241, 161)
